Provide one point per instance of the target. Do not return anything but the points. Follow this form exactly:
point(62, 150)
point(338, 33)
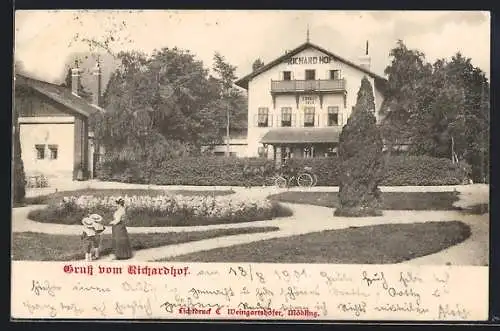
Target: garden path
point(306, 219)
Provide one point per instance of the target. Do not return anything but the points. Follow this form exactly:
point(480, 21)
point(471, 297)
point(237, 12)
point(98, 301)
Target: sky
point(47, 41)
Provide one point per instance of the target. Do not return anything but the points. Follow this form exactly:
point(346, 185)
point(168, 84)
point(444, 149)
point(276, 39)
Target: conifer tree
point(360, 152)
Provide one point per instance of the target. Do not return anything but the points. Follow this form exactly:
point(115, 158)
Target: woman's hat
point(87, 222)
point(96, 218)
point(120, 201)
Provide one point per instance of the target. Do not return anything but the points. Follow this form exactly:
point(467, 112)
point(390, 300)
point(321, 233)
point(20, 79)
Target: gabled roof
point(302, 135)
point(60, 94)
point(243, 82)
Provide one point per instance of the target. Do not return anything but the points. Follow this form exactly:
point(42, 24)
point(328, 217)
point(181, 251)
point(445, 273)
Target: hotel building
point(298, 103)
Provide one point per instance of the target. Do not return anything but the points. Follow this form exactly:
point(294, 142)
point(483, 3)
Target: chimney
point(75, 79)
point(365, 60)
point(96, 93)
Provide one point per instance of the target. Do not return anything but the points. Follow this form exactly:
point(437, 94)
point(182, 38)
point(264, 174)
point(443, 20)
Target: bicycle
point(302, 179)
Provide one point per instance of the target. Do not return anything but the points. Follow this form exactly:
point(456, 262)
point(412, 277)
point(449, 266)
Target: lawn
point(378, 244)
point(57, 196)
point(53, 247)
point(390, 200)
point(479, 209)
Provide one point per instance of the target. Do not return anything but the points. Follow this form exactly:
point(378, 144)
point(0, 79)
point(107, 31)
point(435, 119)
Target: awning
point(302, 135)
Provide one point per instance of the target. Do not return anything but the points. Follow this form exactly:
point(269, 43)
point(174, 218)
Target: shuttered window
point(333, 116)
point(263, 117)
point(286, 116)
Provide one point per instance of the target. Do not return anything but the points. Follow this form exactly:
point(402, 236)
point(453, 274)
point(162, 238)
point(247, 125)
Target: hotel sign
point(310, 60)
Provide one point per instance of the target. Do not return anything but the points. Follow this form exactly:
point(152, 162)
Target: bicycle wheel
point(305, 180)
point(280, 182)
point(315, 180)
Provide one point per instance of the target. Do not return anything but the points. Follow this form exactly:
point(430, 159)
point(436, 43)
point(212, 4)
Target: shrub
point(162, 210)
point(422, 170)
point(361, 159)
point(222, 171)
point(200, 170)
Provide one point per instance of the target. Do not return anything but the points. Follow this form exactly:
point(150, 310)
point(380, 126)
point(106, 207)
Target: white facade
point(337, 89)
point(55, 136)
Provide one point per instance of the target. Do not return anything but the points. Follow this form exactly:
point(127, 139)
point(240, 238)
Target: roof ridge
point(242, 82)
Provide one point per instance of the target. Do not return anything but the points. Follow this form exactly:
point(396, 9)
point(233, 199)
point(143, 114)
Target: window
point(333, 116)
point(287, 75)
point(263, 117)
point(40, 152)
point(334, 74)
point(309, 116)
point(310, 74)
point(53, 152)
point(286, 116)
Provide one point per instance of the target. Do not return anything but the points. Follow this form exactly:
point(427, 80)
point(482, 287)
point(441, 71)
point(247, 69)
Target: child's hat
point(87, 222)
point(96, 218)
point(98, 226)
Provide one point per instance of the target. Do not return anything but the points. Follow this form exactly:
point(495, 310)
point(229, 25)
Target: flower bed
point(163, 210)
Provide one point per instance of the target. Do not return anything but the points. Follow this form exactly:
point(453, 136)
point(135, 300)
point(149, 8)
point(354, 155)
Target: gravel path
point(306, 219)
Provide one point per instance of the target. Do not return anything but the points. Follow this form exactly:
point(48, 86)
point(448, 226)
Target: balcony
point(320, 85)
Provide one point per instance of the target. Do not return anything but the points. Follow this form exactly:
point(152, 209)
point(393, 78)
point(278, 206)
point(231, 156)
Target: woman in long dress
point(121, 241)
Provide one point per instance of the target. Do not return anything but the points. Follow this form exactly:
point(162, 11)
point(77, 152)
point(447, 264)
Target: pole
point(452, 150)
point(227, 133)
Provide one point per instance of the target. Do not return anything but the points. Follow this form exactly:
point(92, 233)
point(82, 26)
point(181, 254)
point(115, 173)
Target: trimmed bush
point(200, 170)
point(221, 171)
point(423, 171)
point(361, 159)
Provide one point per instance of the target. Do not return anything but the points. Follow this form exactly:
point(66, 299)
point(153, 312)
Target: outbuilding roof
point(302, 135)
point(58, 93)
point(243, 82)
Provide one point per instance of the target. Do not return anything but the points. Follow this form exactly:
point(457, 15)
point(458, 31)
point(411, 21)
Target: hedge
point(222, 171)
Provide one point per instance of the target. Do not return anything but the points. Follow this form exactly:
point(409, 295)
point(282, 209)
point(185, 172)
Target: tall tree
point(406, 74)
point(257, 64)
point(441, 109)
point(156, 102)
point(18, 177)
point(360, 152)
point(232, 102)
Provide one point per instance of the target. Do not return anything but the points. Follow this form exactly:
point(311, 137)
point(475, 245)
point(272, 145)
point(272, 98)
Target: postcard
point(251, 165)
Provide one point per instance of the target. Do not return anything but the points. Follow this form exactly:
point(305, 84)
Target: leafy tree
point(407, 75)
point(156, 102)
point(441, 109)
point(19, 177)
point(257, 64)
point(360, 152)
point(231, 98)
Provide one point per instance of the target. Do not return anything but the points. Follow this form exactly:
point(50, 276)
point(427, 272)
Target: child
point(99, 228)
point(88, 237)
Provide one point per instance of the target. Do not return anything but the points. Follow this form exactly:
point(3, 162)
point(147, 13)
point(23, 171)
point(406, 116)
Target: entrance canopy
point(302, 135)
